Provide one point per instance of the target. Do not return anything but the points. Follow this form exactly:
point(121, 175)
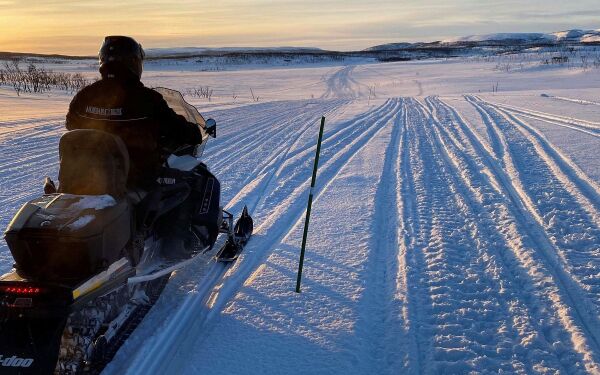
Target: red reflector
point(28, 290)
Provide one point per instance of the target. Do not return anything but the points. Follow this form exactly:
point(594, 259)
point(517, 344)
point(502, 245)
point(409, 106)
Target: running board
point(159, 273)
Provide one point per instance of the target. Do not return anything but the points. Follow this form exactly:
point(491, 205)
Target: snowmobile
point(86, 267)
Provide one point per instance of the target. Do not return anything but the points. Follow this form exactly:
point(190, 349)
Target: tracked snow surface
point(454, 229)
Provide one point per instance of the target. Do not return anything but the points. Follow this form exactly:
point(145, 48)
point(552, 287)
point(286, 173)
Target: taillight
point(21, 290)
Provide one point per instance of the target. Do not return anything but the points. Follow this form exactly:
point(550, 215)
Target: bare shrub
point(205, 92)
point(36, 79)
point(254, 97)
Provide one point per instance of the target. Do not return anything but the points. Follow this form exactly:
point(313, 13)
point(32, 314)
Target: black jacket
point(139, 116)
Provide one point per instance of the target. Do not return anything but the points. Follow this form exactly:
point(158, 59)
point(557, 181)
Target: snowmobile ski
point(238, 236)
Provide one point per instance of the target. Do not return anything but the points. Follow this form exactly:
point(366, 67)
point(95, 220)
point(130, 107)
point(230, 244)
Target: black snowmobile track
point(100, 360)
point(129, 327)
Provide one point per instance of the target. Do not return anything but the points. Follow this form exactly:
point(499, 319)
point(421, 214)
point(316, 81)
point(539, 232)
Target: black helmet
point(121, 55)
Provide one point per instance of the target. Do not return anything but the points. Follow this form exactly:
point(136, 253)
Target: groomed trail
point(439, 242)
point(432, 250)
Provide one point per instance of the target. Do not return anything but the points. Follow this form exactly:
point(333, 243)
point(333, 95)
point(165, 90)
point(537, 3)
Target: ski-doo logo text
point(166, 181)
point(15, 361)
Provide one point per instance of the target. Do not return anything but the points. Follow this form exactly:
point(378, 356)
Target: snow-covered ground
point(455, 227)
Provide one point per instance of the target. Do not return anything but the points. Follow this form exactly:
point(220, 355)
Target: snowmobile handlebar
point(196, 150)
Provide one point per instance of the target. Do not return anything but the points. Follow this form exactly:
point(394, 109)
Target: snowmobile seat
point(92, 162)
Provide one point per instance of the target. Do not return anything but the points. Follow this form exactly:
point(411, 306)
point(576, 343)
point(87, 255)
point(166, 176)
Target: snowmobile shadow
point(271, 354)
point(314, 325)
point(284, 320)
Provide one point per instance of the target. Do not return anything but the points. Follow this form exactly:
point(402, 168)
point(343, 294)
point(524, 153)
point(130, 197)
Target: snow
point(81, 222)
point(455, 224)
point(577, 35)
point(87, 202)
point(574, 35)
point(591, 38)
point(97, 202)
point(503, 36)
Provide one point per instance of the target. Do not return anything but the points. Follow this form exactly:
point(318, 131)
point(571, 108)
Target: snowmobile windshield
point(177, 103)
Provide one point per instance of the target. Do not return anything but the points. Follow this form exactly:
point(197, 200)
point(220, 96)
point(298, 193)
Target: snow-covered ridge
point(574, 35)
point(523, 37)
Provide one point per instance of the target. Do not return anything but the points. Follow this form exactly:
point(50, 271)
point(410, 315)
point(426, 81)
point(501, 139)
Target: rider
point(121, 105)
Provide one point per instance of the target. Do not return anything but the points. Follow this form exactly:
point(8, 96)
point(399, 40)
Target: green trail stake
point(310, 199)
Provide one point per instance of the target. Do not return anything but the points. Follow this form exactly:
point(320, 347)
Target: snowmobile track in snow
point(477, 278)
point(12, 128)
point(337, 150)
point(454, 272)
point(29, 153)
point(587, 127)
point(534, 198)
point(341, 84)
point(520, 219)
point(482, 252)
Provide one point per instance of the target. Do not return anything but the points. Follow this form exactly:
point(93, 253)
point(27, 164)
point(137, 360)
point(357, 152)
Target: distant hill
point(199, 51)
point(574, 36)
point(488, 44)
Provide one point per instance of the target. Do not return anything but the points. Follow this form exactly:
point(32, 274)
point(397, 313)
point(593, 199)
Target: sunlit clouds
point(77, 27)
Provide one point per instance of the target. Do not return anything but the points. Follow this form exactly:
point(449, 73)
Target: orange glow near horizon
point(69, 27)
point(77, 27)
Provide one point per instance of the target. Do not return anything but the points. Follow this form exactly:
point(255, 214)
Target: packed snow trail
point(341, 84)
point(29, 153)
point(444, 264)
point(22, 126)
point(334, 173)
point(584, 126)
point(515, 224)
point(341, 144)
point(433, 248)
point(571, 100)
point(566, 208)
point(468, 298)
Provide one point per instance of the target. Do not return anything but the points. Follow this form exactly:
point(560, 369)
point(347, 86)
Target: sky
point(77, 27)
